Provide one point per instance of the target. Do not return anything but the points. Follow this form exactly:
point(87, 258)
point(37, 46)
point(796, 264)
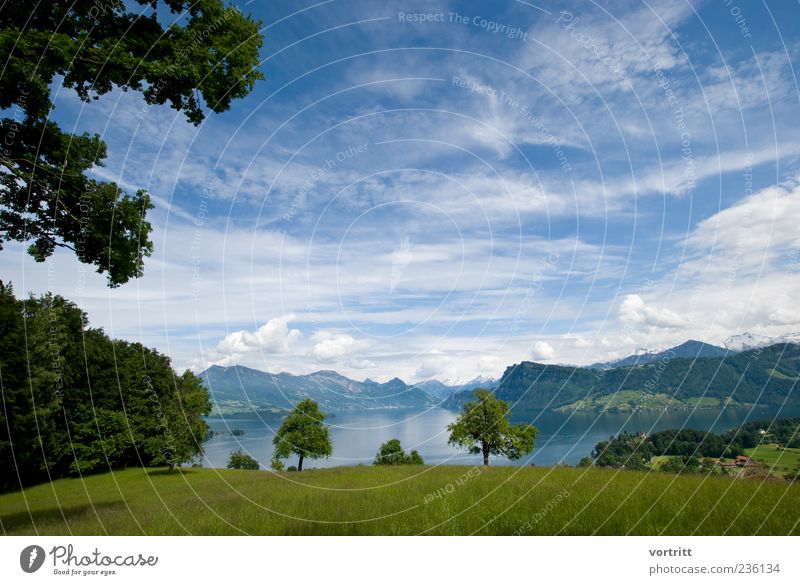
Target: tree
point(241, 460)
point(483, 427)
point(391, 453)
point(302, 433)
point(181, 429)
point(73, 401)
point(626, 450)
point(189, 54)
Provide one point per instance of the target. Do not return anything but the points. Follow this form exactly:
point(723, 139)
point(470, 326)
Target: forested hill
point(766, 376)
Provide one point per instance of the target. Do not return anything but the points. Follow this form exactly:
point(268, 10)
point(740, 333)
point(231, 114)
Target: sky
point(443, 189)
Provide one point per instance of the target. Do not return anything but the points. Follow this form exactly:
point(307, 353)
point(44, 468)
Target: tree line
point(635, 450)
point(75, 401)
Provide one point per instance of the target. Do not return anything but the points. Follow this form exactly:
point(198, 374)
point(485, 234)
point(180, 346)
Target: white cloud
point(633, 310)
point(331, 346)
point(542, 351)
point(273, 337)
point(360, 364)
point(433, 367)
point(751, 233)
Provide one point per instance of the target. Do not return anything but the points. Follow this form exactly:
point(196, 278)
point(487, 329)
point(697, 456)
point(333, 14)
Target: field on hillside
point(402, 500)
point(778, 460)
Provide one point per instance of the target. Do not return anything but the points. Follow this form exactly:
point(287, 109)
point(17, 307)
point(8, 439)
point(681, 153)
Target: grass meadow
point(404, 500)
point(778, 460)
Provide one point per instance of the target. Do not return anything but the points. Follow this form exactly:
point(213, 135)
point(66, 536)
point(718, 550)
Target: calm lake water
point(563, 438)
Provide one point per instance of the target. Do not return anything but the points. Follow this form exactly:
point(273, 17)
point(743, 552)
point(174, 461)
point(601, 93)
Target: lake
point(563, 438)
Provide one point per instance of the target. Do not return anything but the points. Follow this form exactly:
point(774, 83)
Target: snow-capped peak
point(463, 381)
point(746, 341)
point(644, 351)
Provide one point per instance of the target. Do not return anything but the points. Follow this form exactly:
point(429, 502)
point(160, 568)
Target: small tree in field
point(391, 453)
point(241, 460)
point(483, 427)
point(302, 433)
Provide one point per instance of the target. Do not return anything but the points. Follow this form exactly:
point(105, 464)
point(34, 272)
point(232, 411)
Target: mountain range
point(691, 374)
point(745, 341)
point(688, 349)
point(241, 389)
point(764, 376)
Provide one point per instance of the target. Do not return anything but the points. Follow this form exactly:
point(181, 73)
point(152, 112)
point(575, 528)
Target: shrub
point(391, 453)
point(241, 460)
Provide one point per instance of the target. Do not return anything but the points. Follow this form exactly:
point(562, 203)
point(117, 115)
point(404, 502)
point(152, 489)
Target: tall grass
point(402, 500)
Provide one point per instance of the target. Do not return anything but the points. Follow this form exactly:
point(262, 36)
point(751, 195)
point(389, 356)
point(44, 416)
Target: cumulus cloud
point(751, 233)
point(634, 311)
point(580, 343)
point(331, 346)
point(432, 367)
point(542, 351)
point(361, 364)
point(273, 337)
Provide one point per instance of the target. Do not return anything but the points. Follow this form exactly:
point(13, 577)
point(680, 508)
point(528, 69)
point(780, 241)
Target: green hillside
point(766, 376)
point(403, 500)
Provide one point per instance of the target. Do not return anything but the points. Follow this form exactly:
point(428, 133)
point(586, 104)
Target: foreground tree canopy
point(196, 54)
point(75, 401)
point(302, 433)
point(483, 428)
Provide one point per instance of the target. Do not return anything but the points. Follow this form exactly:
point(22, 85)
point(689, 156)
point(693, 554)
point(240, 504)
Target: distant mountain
point(442, 390)
point(688, 349)
point(767, 376)
point(436, 389)
point(479, 382)
point(745, 341)
point(238, 389)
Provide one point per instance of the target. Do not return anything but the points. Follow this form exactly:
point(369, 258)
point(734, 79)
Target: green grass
point(778, 460)
point(658, 460)
point(401, 500)
point(780, 375)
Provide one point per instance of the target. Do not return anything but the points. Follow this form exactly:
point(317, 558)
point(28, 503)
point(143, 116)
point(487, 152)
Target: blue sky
point(442, 189)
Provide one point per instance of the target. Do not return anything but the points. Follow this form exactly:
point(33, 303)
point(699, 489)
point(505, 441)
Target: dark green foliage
point(783, 431)
point(483, 428)
point(765, 376)
point(625, 450)
point(241, 460)
point(74, 401)
point(207, 58)
point(688, 464)
point(303, 433)
point(689, 442)
point(689, 445)
point(391, 453)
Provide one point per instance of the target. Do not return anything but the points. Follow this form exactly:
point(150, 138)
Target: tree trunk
point(171, 467)
point(300, 463)
point(485, 453)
